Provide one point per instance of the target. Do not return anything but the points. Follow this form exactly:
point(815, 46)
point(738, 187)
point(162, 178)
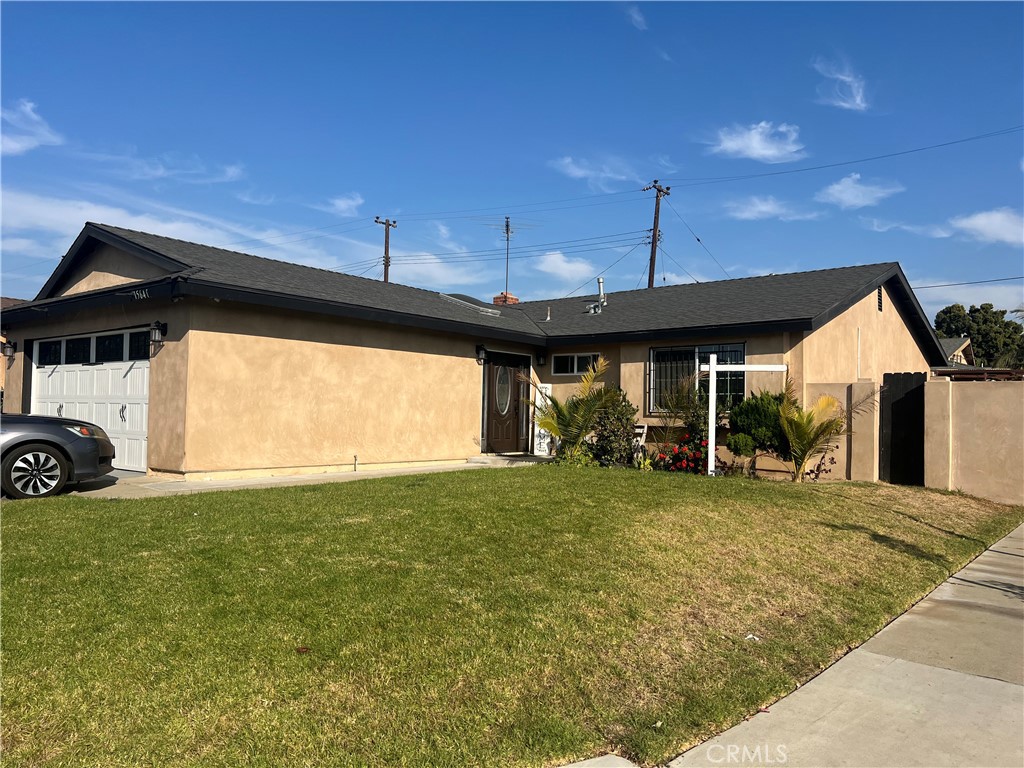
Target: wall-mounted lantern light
point(542, 358)
point(157, 331)
point(9, 348)
point(481, 354)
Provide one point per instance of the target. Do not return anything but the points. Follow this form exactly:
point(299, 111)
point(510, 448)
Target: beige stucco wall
point(269, 389)
point(974, 438)
point(166, 369)
point(830, 354)
point(107, 266)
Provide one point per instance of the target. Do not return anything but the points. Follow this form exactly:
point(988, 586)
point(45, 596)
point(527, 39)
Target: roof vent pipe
point(600, 292)
point(548, 318)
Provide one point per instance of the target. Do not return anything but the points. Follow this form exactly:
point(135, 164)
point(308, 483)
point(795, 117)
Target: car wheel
point(34, 472)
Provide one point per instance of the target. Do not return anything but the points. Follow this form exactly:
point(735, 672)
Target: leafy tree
point(571, 421)
point(613, 431)
point(995, 339)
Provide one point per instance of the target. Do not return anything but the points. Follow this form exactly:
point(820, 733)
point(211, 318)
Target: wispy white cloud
point(635, 17)
point(598, 175)
point(761, 141)
point(757, 208)
point(663, 55)
point(346, 205)
point(168, 166)
point(843, 88)
point(924, 230)
point(24, 130)
point(665, 162)
point(850, 193)
point(1002, 225)
point(252, 198)
point(566, 269)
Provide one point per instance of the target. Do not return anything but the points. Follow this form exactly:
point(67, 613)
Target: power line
point(700, 181)
point(570, 293)
point(698, 239)
point(611, 245)
point(678, 265)
point(972, 282)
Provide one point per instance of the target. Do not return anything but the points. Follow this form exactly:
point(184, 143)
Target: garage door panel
point(113, 395)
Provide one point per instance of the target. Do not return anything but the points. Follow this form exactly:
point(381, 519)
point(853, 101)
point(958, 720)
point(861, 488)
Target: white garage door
point(102, 378)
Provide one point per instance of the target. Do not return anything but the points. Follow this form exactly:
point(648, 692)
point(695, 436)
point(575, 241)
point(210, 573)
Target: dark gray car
point(43, 453)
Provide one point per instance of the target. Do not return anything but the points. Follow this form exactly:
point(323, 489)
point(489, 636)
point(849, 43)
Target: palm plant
point(572, 420)
point(812, 430)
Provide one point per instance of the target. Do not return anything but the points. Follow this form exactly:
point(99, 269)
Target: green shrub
point(757, 428)
point(741, 444)
point(613, 430)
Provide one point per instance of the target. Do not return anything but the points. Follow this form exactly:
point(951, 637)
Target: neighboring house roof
point(7, 301)
point(958, 348)
point(801, 301)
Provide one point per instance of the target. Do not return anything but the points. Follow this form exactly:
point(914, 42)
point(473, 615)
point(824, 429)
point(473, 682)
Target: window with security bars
point(673, 365)
point(730, 386)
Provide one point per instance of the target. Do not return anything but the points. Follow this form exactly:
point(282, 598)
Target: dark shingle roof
point(949, 346)
point(798, 296)
point(795, 301)
point(262, 275)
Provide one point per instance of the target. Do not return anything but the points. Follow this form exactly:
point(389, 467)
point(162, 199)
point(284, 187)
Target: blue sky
point(283, 129)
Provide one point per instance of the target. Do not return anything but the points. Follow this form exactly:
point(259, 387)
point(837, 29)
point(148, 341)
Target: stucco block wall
point(830, 354)
point(270, 389)
point(107, 266)
point(974, 438)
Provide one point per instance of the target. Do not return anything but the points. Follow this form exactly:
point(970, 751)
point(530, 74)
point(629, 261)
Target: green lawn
point(496, 617)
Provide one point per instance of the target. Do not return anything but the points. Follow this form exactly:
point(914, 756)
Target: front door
point(507, 427)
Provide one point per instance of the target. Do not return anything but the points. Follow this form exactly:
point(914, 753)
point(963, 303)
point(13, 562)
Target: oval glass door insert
point(503, 389)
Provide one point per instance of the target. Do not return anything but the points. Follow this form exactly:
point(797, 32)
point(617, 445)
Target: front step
point(508, 459)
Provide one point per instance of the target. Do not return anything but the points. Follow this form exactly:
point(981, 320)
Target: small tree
point(571, 421)
point(613, 431)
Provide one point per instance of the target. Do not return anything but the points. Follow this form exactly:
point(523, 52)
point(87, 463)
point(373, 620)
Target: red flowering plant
point(690, 454)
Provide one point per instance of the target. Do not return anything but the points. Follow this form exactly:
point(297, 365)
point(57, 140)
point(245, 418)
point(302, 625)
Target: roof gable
point(137, 263)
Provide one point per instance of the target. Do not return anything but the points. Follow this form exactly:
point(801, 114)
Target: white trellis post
point(713, 368)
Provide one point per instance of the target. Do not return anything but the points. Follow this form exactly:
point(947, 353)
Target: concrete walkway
point(943, 685)
point(121, 484)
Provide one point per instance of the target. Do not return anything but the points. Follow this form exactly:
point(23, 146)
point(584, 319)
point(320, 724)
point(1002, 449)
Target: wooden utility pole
point(388, 224)
point(660, 192)
point(508, 236)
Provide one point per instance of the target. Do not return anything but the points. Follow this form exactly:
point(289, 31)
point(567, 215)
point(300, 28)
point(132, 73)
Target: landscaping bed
point(498, 617)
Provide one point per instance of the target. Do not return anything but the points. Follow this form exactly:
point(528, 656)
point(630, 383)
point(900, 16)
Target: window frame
point(696, 349)
point(577, 371)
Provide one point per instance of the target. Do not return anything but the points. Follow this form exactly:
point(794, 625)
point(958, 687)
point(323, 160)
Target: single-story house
point(205, 362)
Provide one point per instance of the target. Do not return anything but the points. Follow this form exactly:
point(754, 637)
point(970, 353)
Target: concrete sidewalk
point(942, 685)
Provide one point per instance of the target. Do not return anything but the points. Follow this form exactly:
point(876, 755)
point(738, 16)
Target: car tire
point(34, 471)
